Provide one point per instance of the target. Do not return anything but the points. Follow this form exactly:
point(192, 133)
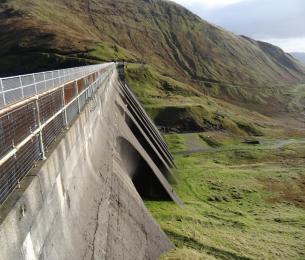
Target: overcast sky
point(281, 22)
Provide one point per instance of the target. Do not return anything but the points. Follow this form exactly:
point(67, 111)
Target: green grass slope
point(241, 201)
point(175, 106)
point(179, 107)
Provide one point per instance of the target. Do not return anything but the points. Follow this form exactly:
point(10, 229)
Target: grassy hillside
point(159, 32)
point(175, 106)
point(241, 201)
point(39, 35)
point(179, 107)
point(179, 46)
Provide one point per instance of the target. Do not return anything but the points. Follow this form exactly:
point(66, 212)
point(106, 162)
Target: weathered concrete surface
point(82, 203)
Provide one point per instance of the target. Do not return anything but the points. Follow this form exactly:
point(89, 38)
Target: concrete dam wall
point(86, 200)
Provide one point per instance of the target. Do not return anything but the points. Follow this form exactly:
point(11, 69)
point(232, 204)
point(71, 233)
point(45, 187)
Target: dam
point(78, 157)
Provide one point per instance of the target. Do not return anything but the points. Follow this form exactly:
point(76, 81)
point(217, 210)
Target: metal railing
point(14, 89)
point(28, 128)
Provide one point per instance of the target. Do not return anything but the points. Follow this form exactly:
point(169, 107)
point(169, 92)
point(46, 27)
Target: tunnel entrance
point(145, 181)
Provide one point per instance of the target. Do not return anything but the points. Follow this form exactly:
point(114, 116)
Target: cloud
point(281, 22)
point(263, 19)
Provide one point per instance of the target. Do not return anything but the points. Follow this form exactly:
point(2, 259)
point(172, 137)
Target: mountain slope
point(39, 34)
point(159, 32)
point(299, 55)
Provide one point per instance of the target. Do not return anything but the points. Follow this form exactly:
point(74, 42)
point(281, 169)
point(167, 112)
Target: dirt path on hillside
point(194, 145)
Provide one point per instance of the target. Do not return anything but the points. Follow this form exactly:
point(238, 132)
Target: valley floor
point(241, 200)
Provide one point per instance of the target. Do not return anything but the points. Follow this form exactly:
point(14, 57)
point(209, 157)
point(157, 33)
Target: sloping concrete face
point(82, 203)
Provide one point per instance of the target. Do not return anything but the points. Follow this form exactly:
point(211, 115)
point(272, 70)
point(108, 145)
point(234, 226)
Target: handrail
point(28, 127)
point(16, 88)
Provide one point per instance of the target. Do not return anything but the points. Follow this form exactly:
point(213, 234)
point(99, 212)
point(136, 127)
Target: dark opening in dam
point(142, 176)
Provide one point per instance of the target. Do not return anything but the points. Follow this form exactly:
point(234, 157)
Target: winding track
point(265, 145)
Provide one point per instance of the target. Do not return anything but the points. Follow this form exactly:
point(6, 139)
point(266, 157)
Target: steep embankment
point(177, 44)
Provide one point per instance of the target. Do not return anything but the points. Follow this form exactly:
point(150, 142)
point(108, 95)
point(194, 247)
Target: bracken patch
point(292, 191)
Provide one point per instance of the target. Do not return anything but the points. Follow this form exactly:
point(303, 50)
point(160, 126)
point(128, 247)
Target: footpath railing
point(16, 88)
point(36, 108)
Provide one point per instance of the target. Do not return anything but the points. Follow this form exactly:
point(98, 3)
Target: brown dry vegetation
point(292, 190)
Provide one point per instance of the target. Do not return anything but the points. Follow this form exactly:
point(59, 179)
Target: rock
point(226, 198)
point(278, 220)
point(216, 198)
point(253, 142)
point(236, 195)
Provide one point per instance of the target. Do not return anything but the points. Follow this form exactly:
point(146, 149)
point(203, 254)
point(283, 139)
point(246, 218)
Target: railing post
point(76, 86)
point(3, 94)
point(22, 91)
point(53, 79)
point(65, 110)
point(35, 84)
point(43, 156)
point(91, 91)
point(64, 77)
point(86, 94)
point(44, 79)
point(59, 77)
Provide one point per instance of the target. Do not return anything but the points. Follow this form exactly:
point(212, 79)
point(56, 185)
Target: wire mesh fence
point(50, 104)
point(16, 125)
point(18, 166)
point(28, 130)
point(14, 89)
point(72, 111)
point(82, 100)
point(52, 130)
